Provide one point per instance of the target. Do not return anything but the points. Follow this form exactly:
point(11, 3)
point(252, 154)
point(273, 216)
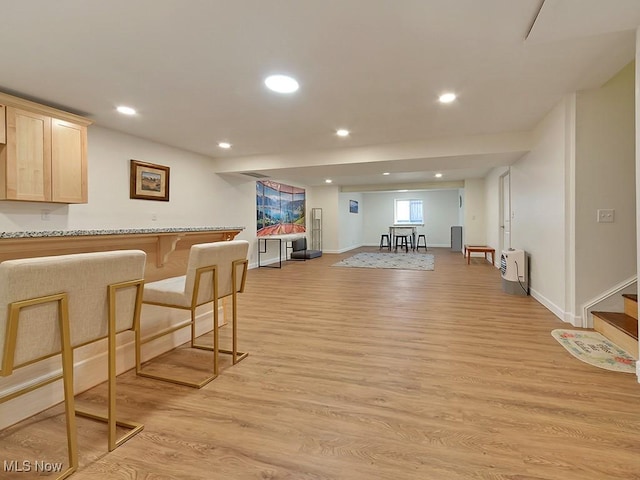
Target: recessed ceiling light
point(447, 97)
point(386, 173)
point(328, 180)
point(126, 110)
point(224, 145)
point(342, 132)
point(281, 83)
point(438, 175)
point(403, 191)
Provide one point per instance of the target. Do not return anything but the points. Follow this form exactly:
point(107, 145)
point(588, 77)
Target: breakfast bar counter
point(167, 249)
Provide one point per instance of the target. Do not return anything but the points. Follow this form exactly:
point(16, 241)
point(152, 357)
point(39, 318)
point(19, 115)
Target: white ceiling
point(194, 69)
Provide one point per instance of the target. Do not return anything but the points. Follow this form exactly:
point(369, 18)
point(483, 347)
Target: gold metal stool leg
point(67, 368)
point(199, 272)
point(110, 418)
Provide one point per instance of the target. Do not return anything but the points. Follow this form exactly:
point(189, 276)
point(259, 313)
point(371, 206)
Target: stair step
point(620, 328)
point(631, 304)
point(623, 322)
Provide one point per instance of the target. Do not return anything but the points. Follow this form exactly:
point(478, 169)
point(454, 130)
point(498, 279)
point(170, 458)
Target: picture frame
point(353, 206)
point(149, 181)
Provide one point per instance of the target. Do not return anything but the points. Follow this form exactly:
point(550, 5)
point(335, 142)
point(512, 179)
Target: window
point(407, 211)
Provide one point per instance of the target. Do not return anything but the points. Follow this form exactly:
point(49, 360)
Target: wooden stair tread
point(631, 296)
point(623, 322)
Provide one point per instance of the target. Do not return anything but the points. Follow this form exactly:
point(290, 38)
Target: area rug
point(401, 261)
point(594, 349)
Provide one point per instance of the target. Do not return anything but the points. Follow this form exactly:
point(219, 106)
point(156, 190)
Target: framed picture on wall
point(353, 206)
point(149, 181)
point(280, 208)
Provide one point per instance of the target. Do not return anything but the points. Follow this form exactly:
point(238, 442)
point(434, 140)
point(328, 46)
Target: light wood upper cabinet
point(28, 158)
point(3, 126)
point(68, 162)
point(45, 155)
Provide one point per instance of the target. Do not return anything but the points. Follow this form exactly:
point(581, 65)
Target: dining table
point(402, 230)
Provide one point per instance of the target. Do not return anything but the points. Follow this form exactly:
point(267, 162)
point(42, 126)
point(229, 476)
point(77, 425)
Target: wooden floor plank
point(372, 374)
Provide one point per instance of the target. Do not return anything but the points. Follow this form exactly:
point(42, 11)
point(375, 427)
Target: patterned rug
point(593, 348)
point(401, 261)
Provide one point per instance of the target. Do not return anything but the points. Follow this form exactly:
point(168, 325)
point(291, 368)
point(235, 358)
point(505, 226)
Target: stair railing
point(587, 322)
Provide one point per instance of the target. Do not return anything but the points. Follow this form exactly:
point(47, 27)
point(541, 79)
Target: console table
point(469, 249)
point(279, 239)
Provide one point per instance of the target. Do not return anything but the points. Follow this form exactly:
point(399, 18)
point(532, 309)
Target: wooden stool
point(402, 241)
point(424, 243)
point(385, 242)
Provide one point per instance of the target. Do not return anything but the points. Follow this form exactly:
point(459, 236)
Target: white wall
point(196, 192)
point(637, 155)
point(492, 209)
point(461, 205)
point(605, 179)
point(327, 198)
point(538, 209)
point(440, 208)
point(582, 159)
point(351, 224)
point(474, 230)
point(198, 196)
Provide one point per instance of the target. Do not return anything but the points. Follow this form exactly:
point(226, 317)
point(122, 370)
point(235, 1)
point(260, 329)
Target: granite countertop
point(122, 231)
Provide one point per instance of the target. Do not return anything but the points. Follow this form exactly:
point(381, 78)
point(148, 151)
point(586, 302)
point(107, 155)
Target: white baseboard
point(430, 245)
point(90, 365)
point(566, 317)
point(346, 249)
point(377, 245)
point(263, 262)
point(575, 320)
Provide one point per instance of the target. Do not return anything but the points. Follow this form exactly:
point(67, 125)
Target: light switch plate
point(606, 215)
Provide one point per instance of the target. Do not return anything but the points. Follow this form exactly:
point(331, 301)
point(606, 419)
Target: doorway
point(505, 211)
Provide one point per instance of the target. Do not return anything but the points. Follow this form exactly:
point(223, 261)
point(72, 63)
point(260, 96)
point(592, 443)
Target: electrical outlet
point(45, 215)
point(154, 217)
point(607, 215)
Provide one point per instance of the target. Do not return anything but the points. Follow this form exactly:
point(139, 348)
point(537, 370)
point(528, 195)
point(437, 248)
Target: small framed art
point(149, 181)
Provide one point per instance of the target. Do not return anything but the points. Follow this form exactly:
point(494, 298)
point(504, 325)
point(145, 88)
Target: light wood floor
point(372, 374)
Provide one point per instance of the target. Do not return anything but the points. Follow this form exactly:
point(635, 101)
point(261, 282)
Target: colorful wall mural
point(280, 208)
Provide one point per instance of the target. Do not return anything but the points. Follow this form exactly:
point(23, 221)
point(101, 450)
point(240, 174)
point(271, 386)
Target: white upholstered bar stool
point(214, 271)
point(109, 303)
point(56, 303)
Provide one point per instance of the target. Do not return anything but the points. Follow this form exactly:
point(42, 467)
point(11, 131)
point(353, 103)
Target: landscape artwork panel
point(280, 208)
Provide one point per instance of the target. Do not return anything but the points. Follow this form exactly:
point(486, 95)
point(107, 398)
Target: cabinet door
point(3, 126)
point(28, 164)
point(68, 162)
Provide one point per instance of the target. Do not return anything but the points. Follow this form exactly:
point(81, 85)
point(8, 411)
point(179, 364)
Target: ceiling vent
point(255, 175)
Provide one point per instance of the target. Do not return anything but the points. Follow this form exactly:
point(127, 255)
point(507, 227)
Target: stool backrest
point(85, 278)
point(222, 255)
